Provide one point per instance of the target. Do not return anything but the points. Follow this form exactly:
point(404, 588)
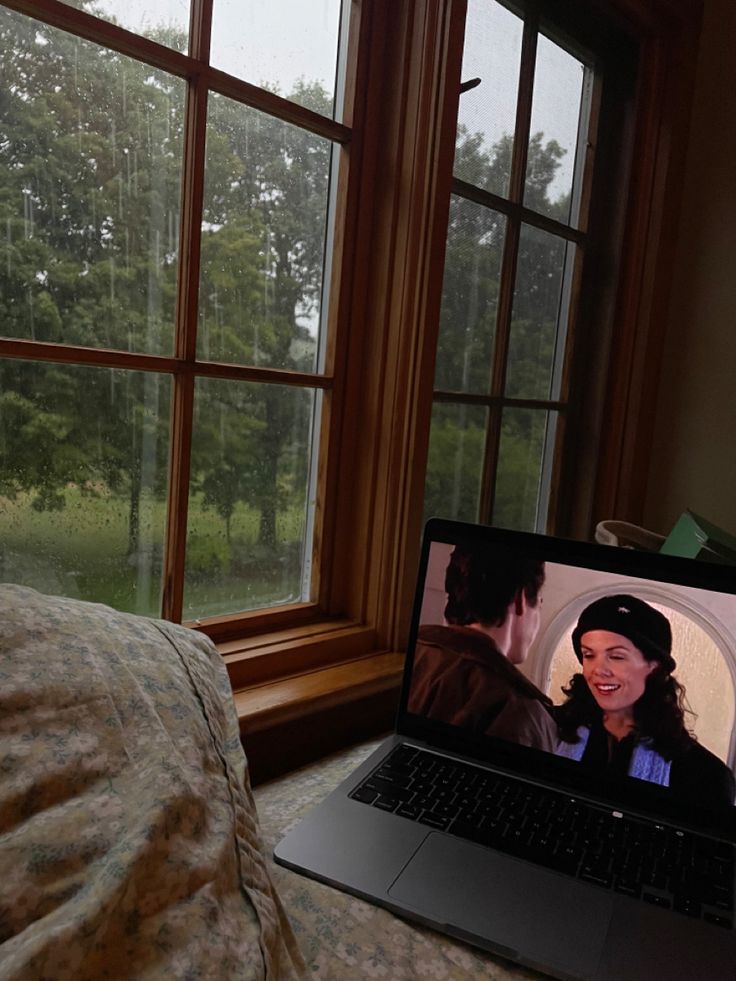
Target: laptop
point(480, 820)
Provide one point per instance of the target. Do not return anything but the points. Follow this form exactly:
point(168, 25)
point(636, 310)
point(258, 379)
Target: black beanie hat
point(645, 627)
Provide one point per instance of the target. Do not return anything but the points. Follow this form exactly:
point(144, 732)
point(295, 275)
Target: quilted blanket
point(129, 846)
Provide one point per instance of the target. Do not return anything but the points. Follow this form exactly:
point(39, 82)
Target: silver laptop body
point(552, 921)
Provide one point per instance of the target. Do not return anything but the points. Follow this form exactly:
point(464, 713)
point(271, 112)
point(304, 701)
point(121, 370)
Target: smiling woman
point(625, 713)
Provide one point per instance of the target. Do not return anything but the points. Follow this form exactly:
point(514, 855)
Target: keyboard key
point(598, 878)
point(364, 794)
point(386, 803)
point(687, 905)
point(389, 789)
point(650, 897)
point(722, 921)
point(410, 811)
point(628, 887)
point(434, 821)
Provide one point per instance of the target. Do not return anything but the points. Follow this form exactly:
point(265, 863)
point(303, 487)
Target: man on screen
point(465, 671)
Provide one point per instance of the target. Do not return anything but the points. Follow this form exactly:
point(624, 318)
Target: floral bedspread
point(129, 846)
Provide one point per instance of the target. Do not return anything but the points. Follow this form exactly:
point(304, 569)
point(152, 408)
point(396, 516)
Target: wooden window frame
point(511, 206)
point(344, 650)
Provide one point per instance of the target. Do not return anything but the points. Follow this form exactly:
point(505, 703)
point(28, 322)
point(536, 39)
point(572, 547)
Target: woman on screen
point(625, 711)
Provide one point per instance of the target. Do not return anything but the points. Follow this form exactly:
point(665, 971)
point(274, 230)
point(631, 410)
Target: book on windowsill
point(695, 538)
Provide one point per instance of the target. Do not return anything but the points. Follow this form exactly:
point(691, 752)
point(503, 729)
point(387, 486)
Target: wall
point(693, 461)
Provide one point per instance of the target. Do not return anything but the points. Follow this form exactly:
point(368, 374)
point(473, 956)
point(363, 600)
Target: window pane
point(83, 468)
point(263, 243)
point(469, 298)
point(287, 46)
point(556, 107)
point(248, 543)
point(539, 316)
point(165, 21)
point(90, 158)
point(520, 487)
point(454, 469)
point(487, 114)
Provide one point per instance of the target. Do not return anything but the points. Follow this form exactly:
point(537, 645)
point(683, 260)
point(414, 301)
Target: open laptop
point(537, 856)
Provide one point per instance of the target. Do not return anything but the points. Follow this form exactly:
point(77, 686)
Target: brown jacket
point(462, 678)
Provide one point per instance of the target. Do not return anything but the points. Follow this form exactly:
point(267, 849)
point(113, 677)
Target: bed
point(130, 845)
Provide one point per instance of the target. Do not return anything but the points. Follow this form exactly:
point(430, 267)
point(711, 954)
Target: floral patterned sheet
point(344, 938)
point(129, 846)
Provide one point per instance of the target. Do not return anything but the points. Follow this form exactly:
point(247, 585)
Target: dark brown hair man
point(465, 670)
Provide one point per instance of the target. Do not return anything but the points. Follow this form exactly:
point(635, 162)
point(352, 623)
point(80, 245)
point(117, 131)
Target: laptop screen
point(603, 670)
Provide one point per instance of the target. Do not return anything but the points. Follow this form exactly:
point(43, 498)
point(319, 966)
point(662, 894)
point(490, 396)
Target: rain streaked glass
point(454, 469)
point(287, 46)
point(475, 240)
point(263, 239)
point(487, 113)
point(91, 152)
point(556, 120)
point(519, 483)
point(250, 506)
point(539, 315)
point(83, 468)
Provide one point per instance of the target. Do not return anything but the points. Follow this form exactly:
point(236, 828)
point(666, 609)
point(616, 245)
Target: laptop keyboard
point(658, 865)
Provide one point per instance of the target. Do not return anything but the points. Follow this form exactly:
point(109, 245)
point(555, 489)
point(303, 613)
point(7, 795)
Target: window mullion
point(490, 464)
point(186, 338)
point(508, 267)
point(516, 194)
point(200, 30)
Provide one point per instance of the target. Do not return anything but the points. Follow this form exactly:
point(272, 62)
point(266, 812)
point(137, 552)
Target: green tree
point(90, 176)
point(473, 257)
point(265, 203)
point(90, 163)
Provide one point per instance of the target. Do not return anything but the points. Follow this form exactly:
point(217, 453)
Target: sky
point(492, 53)
point(277, 41)
point(274, 41)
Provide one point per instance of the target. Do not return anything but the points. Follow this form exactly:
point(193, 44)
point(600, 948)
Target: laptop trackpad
point(512, 908)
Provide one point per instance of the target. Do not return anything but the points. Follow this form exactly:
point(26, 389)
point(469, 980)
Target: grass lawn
point(81, 551)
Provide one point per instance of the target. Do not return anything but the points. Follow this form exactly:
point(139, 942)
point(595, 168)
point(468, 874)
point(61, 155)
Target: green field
point(82, 551)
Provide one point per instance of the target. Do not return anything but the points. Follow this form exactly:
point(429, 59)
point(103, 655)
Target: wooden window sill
point(267, 705)
point(293, 720)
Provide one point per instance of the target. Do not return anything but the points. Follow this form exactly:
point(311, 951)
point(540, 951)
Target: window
point(515, 249)
point(221, 279)
point(169, 209)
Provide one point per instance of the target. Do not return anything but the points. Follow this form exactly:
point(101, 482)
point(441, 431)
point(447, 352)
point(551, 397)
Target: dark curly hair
point(659, 714)
point(481, 583)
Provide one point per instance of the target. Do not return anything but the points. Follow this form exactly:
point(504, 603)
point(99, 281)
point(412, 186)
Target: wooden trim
point(200, 30)
point(469, 398)
point(346, 317)
point(250, 623)
point(11, 347)
point(287, 653)
point(515, 210)
point(172, 600)
point(276, 105)
point(409, 146)
point(283, 701)
point(273, 751)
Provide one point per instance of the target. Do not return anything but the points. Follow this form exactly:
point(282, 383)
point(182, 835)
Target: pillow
point(129, 844)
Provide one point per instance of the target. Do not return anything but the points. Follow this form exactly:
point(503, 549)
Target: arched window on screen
point(702, 645)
